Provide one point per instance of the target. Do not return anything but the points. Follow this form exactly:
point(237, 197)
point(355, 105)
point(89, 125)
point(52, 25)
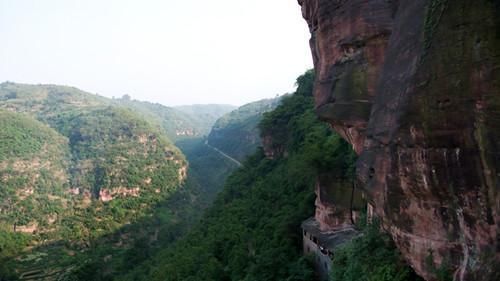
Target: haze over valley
point(233, 140)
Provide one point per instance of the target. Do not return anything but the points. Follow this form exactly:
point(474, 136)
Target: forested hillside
point(253, 230)
point(33, 175)
point(182, 122)
point(138, 242)
point(86, 180)
point(205, 115)
point(120, 203)
point(236, 133)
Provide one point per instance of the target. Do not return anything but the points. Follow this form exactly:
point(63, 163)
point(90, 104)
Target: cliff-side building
point(322, 244)
point(338, 205)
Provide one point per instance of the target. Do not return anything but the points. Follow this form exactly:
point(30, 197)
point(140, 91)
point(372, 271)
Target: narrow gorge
point(364, 147)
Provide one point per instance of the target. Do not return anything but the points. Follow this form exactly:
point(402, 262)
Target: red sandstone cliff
point(414, 86)
point(338, 203)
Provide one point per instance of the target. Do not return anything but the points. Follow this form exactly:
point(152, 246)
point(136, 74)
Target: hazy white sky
point(167, 51)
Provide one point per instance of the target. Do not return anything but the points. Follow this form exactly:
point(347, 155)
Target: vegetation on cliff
point(236, 133)
point(131, 246)
point(75, 169)
point(33, 179)
point(371, 256)
point(253, 230)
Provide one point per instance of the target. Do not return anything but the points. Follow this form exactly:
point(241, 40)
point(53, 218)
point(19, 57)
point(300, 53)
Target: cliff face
point(338, 203)
point(348, 42)
point(414, 86)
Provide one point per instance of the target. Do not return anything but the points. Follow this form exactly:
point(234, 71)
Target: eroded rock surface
point(414, 86)
point(348, 43)
point(338, 203)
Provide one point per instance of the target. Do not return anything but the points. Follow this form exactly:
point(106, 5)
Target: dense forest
point(85, 181)
point(237, 133)
point(252, 232)
point(249, 231)
point(379, 163)
point(181, 122)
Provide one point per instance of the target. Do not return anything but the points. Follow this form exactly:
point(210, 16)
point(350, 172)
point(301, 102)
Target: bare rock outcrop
point(338, 203)
point(414, 86)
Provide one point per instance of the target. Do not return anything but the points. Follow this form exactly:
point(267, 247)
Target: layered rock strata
point(414, 86)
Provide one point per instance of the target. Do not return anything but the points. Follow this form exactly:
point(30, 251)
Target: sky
point(168, 51)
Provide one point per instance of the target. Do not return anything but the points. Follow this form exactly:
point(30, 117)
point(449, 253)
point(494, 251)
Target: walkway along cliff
point(414, 86)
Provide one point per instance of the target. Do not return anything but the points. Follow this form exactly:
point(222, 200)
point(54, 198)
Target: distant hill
point(111, 152)
point(184, 122)
point(47, 102)
point(75, 166)
point(84, 178)
point(252, 232)
point(205, 115)
point(236, 133)
point(180, 122)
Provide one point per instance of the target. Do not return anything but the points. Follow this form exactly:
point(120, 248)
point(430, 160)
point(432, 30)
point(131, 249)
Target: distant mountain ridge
point(75, 167)
point(180, 122)
point(205, 115)
point(252, 232)
point(98, 184)
point(236, 133)
point(108, 152)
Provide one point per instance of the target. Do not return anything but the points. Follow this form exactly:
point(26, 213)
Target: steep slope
point(253, 230)
point(413, 86)
point(129, 247)
point(33, 174)
point(98, 168)
point(206, 165)
point(236, 133)
point(111, 148)
point(116, 153)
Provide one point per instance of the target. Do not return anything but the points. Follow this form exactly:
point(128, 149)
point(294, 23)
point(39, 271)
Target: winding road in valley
point(224, 154)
